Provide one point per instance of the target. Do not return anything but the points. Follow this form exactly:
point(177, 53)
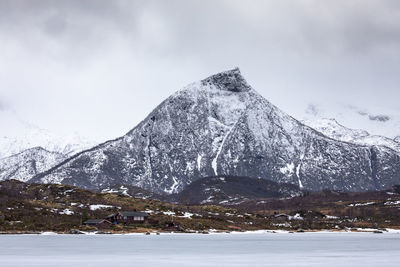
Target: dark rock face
point(229, 81)
point(221, 126)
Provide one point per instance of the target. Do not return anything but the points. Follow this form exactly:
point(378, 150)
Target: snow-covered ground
point(101, 206)
point(299, 249)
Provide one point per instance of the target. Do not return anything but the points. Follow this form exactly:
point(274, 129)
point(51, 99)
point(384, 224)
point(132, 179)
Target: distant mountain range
point(26, 164)
point(31, 136)
point(377, 121)
point(222, 126)
point(33, 150)
point(331, 128)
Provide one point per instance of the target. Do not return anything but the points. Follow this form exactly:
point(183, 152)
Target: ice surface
point(281, 249)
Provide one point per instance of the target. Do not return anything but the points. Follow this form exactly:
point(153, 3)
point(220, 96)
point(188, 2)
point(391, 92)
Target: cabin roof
point(133, 213)
point(129, 214)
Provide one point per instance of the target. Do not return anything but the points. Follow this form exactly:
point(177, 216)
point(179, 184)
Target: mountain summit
point(221, 126)
point(231, 80)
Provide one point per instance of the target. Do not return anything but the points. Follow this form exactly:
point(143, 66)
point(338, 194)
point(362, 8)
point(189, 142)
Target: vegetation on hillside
point(49, 207)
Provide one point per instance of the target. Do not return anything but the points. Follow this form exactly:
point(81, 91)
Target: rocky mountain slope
point(222, 126)
point(232, 190)
point(26, 164)
point(331, 128)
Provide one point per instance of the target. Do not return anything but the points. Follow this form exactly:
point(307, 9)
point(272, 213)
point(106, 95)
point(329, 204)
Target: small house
point(128, 217)
point(98, 223)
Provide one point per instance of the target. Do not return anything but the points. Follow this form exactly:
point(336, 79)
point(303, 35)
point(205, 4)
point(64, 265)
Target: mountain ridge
point(30, 136)
point(26, 164)
point(333, 129)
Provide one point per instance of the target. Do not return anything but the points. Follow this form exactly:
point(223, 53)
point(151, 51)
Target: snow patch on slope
point(214, 161)
point(298, 175)
point(288, 169)
point(174, 186)
point(199, 162)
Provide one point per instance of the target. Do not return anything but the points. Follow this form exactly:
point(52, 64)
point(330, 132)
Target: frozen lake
point(299, 249)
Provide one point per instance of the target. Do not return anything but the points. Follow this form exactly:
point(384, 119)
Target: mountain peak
point(230, 80)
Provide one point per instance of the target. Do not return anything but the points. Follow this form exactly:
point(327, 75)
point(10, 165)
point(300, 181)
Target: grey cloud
point(381, 118)
point(79, 55)
point(373, 117)
point(312, 109)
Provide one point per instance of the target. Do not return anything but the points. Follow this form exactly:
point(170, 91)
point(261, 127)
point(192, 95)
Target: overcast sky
point(99, 67)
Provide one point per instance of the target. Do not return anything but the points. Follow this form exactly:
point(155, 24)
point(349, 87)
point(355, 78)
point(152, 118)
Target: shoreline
point(215, 232)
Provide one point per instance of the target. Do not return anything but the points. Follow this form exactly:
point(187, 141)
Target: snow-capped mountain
point(397, 139)
point(26, 164)
point(20, 135)
point(222, 126)
point(26, 149)
point(331, 128)
point(377, 121)
point(33, 137)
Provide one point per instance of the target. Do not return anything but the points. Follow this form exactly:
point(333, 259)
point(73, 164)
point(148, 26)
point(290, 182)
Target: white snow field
point(281, 249)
